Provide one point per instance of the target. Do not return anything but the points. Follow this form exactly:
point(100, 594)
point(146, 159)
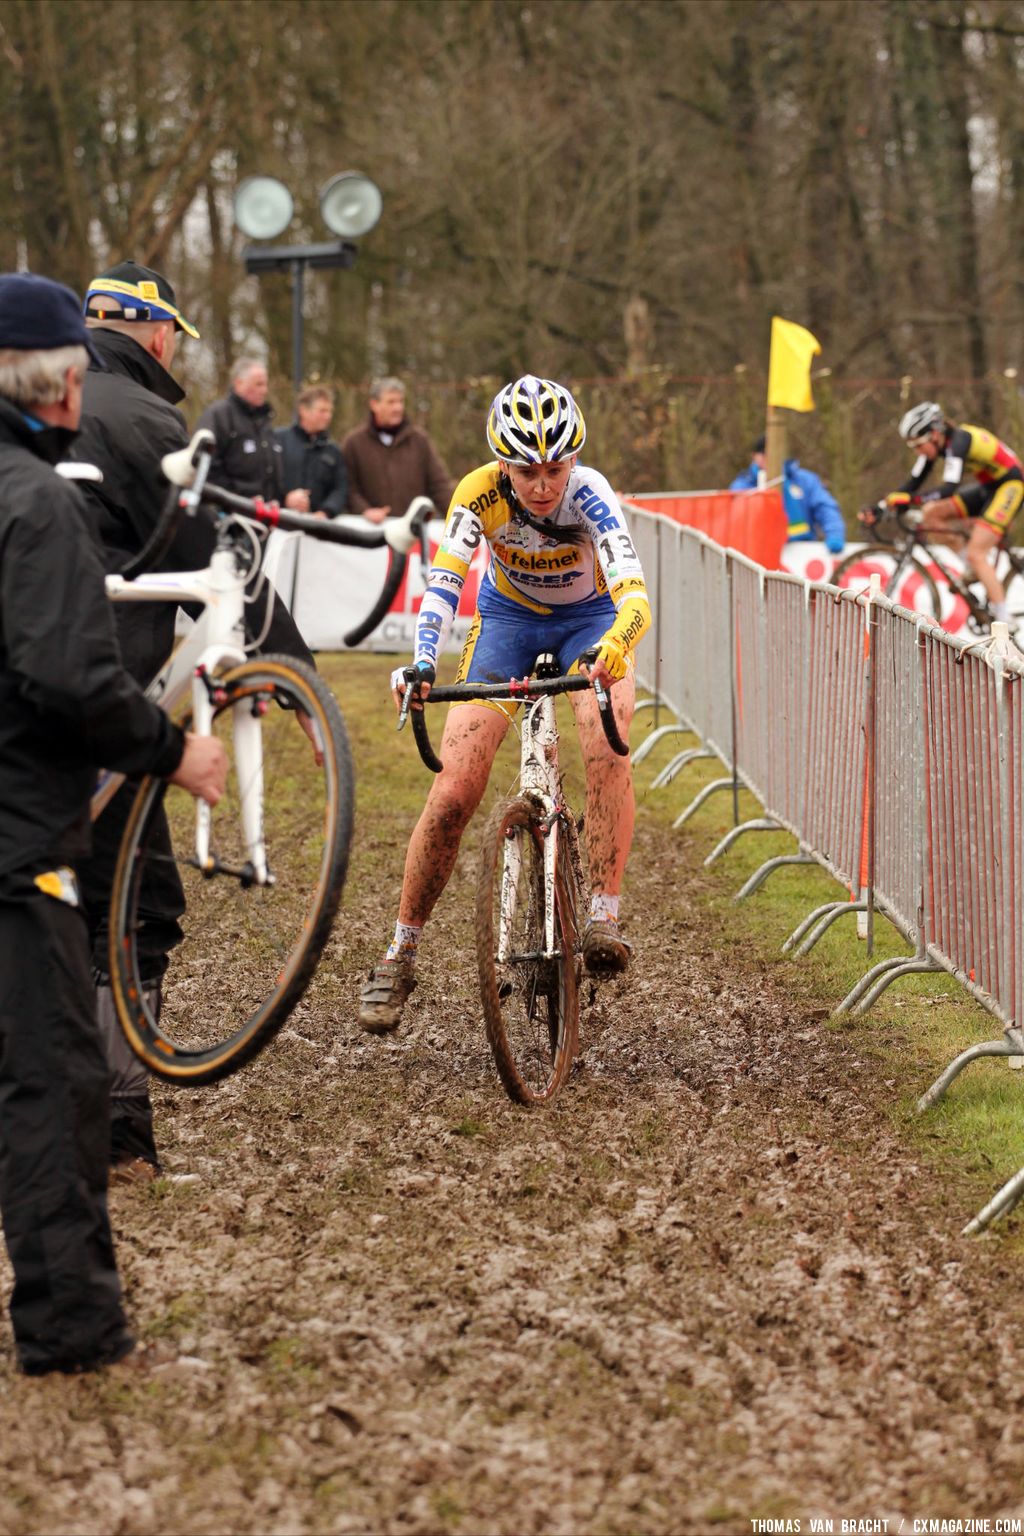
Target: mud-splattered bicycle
point(530, 888)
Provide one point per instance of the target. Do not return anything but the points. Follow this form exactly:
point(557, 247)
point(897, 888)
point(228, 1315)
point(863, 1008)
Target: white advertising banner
point(335, 588)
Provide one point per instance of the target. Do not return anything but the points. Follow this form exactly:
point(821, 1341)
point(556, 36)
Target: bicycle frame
point(216, 640)
point(540, 780)
point(917, 546)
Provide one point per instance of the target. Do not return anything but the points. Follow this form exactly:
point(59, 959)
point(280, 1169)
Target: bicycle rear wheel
point(247, 949)
point(912, 585)
point(530, 999)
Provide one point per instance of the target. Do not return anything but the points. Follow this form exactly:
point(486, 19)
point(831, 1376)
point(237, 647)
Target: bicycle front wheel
point(530, 997)
point(207, 963)
point(904, 578)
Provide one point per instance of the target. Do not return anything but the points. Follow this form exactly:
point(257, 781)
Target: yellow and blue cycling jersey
point(533, 576)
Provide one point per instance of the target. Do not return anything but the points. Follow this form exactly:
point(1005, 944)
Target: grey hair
point(37, 377)
point(383, 385)
point(245, 365)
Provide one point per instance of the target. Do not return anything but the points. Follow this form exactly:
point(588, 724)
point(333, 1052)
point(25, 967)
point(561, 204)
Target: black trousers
point(161, 903)
point(54, 1136)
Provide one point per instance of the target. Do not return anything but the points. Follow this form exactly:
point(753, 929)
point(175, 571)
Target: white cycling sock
point(403, 945)
point(604, 908)
point(1002, 611)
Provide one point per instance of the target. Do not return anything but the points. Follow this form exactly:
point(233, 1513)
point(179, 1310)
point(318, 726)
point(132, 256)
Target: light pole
point(350, 205)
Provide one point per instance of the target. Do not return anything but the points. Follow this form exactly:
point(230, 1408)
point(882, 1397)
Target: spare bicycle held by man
point(252, 897)
point(563, 577)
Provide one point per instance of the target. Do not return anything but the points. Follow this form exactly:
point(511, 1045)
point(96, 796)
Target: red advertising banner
point(751, 522)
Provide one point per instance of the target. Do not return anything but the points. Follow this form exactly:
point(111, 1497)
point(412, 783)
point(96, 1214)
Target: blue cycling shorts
point(505, 639)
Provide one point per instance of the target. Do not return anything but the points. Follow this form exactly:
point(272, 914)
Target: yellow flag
point(789, 366)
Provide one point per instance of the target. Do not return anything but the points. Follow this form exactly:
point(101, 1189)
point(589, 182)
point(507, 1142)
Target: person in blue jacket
point(813, 512)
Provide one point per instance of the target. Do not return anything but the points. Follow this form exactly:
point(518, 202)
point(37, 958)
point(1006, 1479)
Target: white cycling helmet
point(534, 421)
point(920, 420)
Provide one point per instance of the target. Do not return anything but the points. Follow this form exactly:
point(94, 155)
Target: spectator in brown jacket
point(390, 461)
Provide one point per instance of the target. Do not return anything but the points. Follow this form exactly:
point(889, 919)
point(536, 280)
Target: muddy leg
point(610, 803)
point(472, 735)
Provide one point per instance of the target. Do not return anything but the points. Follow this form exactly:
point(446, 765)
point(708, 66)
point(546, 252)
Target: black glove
point(420, 672)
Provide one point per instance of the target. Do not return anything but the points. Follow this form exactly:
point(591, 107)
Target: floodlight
point(263, 207)
point(350, 204)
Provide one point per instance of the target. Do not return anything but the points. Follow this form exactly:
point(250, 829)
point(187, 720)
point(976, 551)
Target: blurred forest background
point(616, 194)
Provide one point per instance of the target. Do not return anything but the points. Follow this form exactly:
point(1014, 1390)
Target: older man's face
point(388, 409)
point(253, 386)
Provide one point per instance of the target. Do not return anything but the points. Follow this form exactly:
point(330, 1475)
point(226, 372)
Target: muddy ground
point(713, 1284)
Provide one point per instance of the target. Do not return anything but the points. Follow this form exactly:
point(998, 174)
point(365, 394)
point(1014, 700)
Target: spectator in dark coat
point(314, 467)
point(67, 707)
point(390, 461)
point(249, 453)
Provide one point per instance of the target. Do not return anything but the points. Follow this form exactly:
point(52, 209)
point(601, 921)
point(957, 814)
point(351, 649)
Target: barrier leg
point(871, 986)
point(1001, 1204)
point(677, 765)
point(1012, 1044)
point(809, 921)
point(647, 747)
point(760, 875)
point(830, 915)
point(699, 799)
point(763, 824)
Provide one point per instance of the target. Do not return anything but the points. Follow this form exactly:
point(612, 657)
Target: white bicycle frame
point(540, 782)
point(216, 641)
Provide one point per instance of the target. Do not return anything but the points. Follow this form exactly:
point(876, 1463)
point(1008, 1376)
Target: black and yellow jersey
point(969, 450)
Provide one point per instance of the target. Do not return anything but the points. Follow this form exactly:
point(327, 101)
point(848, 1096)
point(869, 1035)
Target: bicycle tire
point(530, 1002)
point(886, 556)
point(242, 963)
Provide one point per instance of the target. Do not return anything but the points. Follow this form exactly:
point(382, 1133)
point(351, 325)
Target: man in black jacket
point(249, 454)
point(313, 465)
point(129, 421)
point(67, 707)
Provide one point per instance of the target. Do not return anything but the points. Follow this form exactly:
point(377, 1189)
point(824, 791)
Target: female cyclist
point(563, 576)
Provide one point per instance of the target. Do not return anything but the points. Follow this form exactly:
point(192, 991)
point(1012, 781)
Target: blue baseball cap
point(140, 293)
point(39, 315)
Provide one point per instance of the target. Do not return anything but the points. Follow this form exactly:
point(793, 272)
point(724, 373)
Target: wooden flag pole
point(774, 442)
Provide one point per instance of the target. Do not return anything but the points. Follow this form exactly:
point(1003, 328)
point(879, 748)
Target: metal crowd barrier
point(891, 751)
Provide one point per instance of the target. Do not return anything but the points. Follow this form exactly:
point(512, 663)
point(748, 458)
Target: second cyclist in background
point(983, 511)
point(563, 576)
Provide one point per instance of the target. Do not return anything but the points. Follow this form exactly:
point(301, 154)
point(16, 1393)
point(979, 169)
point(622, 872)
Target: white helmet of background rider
point(920, 420)
point(534, 421)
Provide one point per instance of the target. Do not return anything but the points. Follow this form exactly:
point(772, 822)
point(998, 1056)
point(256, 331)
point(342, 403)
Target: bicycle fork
point(246, 715)
point(511, 870)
